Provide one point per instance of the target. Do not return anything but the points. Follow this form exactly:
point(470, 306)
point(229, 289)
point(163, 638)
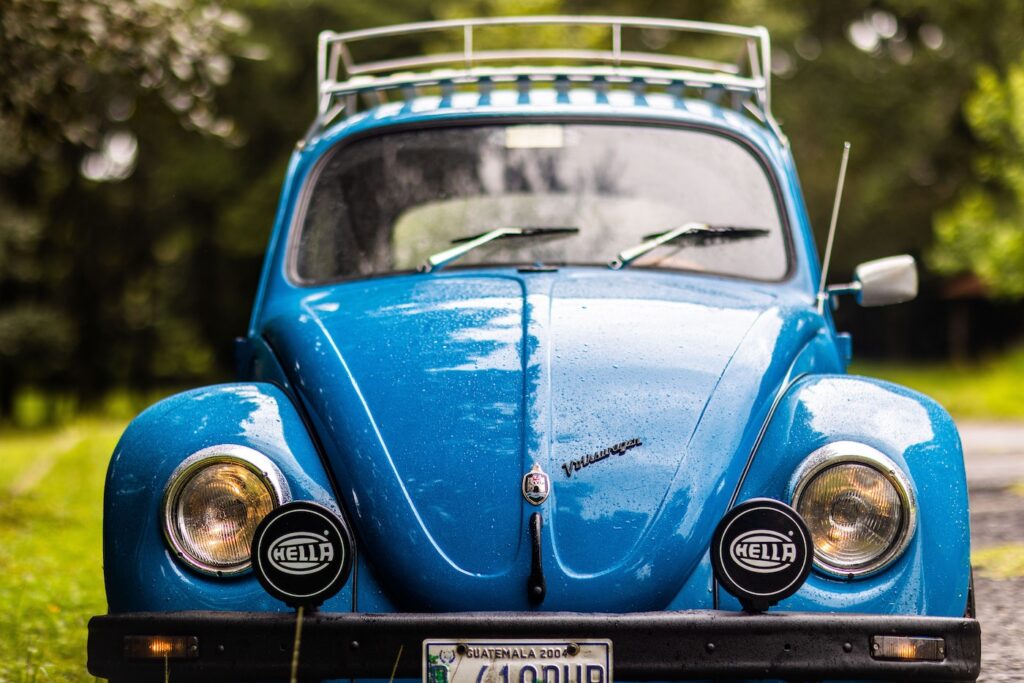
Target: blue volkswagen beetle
point(542, 385)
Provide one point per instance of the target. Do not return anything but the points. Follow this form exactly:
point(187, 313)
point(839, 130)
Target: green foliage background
point(984, 230)
point(51, 485)
point(143, 143)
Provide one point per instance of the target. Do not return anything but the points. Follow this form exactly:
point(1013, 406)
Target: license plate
point(517, 661)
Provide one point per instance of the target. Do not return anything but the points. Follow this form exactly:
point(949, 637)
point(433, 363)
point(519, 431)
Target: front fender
point(140, 571)
point(932, 575)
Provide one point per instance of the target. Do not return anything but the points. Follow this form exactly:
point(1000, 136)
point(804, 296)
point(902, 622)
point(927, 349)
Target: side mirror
point(881, 282)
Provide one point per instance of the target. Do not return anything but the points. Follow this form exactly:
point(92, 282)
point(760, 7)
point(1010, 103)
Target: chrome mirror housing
point(884, 281)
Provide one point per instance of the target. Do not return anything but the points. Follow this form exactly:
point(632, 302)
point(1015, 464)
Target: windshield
point(389, 202)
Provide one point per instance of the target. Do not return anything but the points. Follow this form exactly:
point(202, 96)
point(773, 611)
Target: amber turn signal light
point(907, 648)
point(161, 647)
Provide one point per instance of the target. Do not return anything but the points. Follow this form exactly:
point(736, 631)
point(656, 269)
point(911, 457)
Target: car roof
point(578, 103)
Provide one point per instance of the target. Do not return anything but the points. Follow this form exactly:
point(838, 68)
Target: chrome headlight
point(213, 502)
point(859, 507)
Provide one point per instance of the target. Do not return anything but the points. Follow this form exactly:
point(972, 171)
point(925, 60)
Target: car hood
point(434, 395)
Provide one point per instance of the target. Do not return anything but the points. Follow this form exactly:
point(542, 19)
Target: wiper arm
point(471, 242)
point(702, 233)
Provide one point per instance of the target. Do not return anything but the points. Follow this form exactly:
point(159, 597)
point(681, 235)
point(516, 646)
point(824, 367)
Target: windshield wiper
point(700, 233)
point(471, 242)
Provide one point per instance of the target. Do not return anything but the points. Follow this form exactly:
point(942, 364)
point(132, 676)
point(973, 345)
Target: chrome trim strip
point(839, 452)
point(251, 459)
point(603, 56)
point(631, 22)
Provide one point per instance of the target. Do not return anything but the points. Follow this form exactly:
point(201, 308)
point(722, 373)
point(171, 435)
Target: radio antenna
point(832, 228)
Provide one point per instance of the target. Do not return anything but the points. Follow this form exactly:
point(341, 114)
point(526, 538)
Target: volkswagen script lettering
point(301, 552)
point(603, 454)
point(763, 550)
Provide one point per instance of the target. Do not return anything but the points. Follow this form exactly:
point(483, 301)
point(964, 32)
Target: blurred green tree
point(984, 231)
point(72, 67)
point(72, 74)
point(142, 147)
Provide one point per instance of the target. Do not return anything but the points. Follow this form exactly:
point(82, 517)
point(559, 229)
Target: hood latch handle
point(536, 586)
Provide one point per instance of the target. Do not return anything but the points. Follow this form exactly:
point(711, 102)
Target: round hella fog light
point(859, 508)
point(213, 503)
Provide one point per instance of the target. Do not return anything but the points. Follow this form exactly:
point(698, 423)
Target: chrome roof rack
point(344, 84)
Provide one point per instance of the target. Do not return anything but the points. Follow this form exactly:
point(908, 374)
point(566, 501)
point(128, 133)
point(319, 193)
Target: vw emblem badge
point(536, 486)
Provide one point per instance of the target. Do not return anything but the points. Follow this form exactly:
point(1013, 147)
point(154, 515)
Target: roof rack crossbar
point(598, 56)
point(473, 64)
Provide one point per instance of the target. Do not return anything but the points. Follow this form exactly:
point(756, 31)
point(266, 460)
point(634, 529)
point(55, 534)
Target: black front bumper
point(646, 646)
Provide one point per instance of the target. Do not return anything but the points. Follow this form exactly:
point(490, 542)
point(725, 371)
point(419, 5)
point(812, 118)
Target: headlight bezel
point(855, 452)
point(252, 460)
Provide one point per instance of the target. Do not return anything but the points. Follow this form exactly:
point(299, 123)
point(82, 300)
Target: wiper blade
point(471, 242)
point(700, 233)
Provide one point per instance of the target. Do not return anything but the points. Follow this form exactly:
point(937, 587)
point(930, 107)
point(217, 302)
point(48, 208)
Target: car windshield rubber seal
point(299, 209)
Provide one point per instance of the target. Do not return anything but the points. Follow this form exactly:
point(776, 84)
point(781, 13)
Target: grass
point(989, 389)
point(51, 575)
point(1000, 562)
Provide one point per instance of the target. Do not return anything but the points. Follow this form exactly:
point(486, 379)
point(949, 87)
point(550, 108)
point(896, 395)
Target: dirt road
point(994, 455)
